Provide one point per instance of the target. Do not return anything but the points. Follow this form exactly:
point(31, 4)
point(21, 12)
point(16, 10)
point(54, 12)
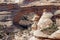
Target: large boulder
point(45, 20)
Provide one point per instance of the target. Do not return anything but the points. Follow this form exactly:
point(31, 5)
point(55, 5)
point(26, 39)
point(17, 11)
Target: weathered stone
point(45, 20)
point(55, 34)
point(58, 22)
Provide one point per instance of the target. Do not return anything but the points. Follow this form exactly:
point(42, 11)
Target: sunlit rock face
point(12, 1)
point(55, 34)
point(37, 34)
point(33, 38)
point(45, 20)
point(52, 0)
point(19, 1)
